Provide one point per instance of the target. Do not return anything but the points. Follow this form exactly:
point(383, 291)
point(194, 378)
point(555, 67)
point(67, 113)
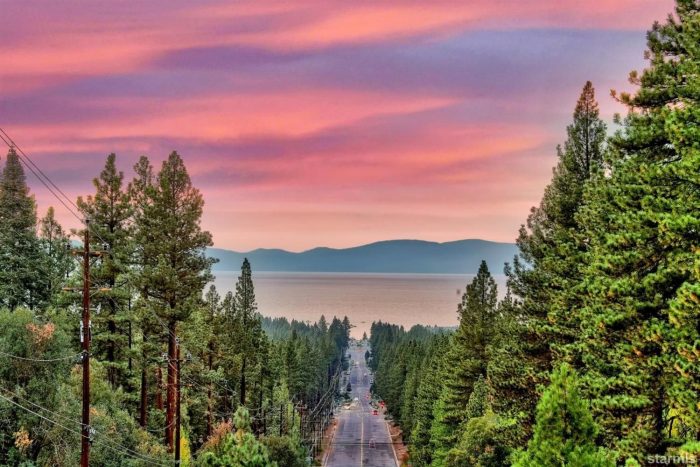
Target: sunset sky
point(318, 123)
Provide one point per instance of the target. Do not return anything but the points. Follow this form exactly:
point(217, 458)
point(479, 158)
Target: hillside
point(392, 256)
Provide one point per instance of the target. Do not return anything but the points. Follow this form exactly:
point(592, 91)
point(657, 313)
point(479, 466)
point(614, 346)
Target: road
point(360, 438)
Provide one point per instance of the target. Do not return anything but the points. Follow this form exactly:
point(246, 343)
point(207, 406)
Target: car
point(375, 412)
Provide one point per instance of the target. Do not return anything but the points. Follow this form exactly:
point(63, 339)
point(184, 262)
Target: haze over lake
point(404, 299)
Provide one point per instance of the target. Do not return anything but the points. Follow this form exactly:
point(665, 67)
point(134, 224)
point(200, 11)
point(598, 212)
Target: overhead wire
point(41, 360)
point(45, 180)
point(106, 442)
point(96, 432)
point(70, 420)
point(10, 144)
point(37, 168)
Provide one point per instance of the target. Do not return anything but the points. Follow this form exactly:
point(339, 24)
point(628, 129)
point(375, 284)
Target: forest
point(173, 367)
point(592, 355)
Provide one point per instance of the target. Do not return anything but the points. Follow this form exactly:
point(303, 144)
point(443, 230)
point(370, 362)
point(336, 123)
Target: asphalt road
point(360, 438)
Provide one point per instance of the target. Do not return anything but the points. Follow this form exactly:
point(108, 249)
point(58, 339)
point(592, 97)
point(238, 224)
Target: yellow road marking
point(362, 442)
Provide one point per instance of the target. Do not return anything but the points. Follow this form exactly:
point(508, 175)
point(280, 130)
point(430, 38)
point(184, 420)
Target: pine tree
point(109, 212)
point(467, 358)
point(507, 374)
point(56, 246)
point(201, 335)
point(251, 329)
point(547, 267)
point(173, 245)
point(640, 314)
point(212, 323)
point(23, 281)
point(140, 190)
point(323, 324)
point(565, 432)
point(428, 392)
point(414, 355)
point(293, 366)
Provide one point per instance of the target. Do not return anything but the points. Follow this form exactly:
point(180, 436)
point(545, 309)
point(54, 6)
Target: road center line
point(362, 440)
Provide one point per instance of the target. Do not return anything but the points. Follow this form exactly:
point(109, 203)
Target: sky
point(318, 123)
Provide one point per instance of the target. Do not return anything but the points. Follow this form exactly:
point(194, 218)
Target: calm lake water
point(404, 299)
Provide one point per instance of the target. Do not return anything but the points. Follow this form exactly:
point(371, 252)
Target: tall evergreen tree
point(467, 358)
point(23, 281)
point(640, 314)
point(246, 313)
point(140, 190)
point(547, 266)
point(177, 268)
point(109, 211)
point(56, 246)
point(212, 321)
point(428, 392)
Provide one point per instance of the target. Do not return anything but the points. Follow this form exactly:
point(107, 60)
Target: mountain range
point(391, 256)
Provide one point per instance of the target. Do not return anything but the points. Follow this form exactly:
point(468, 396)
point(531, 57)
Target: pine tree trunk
point(130, 344)
point(659, 418)
point(209, 401)
point(243, 382)
point(159, 388)
point(262, 397)
point(170, 399)
point(143, 419)
point(111, 351)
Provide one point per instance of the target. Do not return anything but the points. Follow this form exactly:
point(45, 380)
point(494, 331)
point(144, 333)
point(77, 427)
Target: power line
point(107, 443)
point(11, 145)
point(46, 180)
point(41, 360)
point(57, 415)
point(332, 387)
point(128, 450)
point(37, 168)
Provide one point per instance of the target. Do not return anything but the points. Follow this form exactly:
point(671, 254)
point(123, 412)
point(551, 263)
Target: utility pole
point(85, 444)
point(85, 338)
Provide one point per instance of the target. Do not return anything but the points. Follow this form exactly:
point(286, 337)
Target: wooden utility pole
point(85, 338)
point(85, 444)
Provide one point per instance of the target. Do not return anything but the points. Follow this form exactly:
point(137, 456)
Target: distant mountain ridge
point(390, 256)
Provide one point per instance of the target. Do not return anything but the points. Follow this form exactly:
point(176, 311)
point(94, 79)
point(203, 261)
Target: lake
point(404, 299)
